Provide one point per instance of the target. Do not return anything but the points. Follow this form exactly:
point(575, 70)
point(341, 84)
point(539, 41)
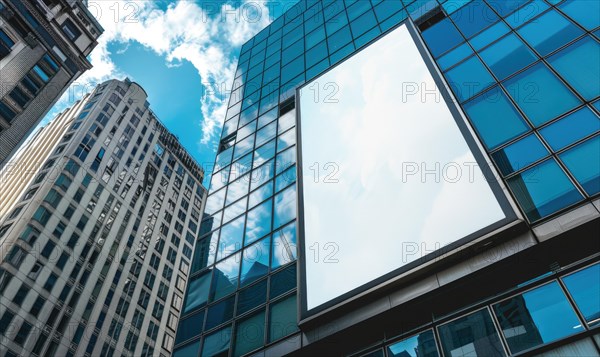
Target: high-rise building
point(406, 178)
point(98, 219)
point(44, 45)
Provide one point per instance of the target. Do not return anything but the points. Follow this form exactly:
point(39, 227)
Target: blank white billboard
point(387, 175)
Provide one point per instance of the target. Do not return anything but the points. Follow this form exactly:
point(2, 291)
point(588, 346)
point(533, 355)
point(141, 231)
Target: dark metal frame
point(508, 207)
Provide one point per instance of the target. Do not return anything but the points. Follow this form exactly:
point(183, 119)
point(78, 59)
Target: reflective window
point(231, 238)
point(584, 12)
point(471, 335)
point(266, 133)
point(571, 128)
point(285, 178)
point(237, 189)
point(197, 293)
point(540, 94)
point(421, 345)
point(190, 350)
point(225, 280)
point(456, 55)
point(217, 343)
point(264, 153)
point(495, 118)
point(577, 64)
point(543, 190)
point(489, 35)
point(507, 56)
point(469, 78)
point(255, 262)
point(520, 154)
point(536, 317)
point(549, 32)
point(441, 37)
point(252, 297)
point(286, 140)
point(585, 294)
point(260, 194)
point(363, 23)
point(283, 250)
point(258, 222)
point(250, 334)
point(283, 281)
point(583, 161)
point(220, 313)
point(285, 207)
point(190, 327)
point(473, 18)
point(283, 318)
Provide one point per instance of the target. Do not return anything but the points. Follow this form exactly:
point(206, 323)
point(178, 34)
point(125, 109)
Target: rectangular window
point(7, 112)
point(71, 30)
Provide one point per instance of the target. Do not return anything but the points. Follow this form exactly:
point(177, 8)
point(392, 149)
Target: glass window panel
point(285, 207)
point(220, 313)
point(197, 293)
point(255, 263)
point(285, 159)
point(234, 210)
point(384, 9)
point(264, 153)
point(363, 23)
point(242, 166)
point(543, 190)
point(250, 334)
point(367, 37)
point(286, 140)
point(441, 37)
point(267, 118)
point(471, 335)
point(456, 55)
point(286, 121)
point(469, 78)
point(571, 128)
point(190, 350)
point(339, 39)
point(283, 318)
point(586, 13)
point(318, 68)
point(495, 118)
point(293, 51)
point(283, 281)
point(336, 22)
point(237, 189)
point(507, 56)
point(549, 32)
point(285, 179)
point(314, 37)
point(219, 179)
point(520, 154)
point(316, 54)
point(252, 297)
point(584, 163)
point(292, 69)
point(357, 8)
point(489, 35)
point(586, 295)
point(473, 18)
point(189, 327)
point(536, 317)
point(260, 194)
point(577, 64)
point(243, 147)
point(507, 6)
point(225, 280)
point(223, 158)
point(204, 254)
point(266, 133)
point(421, 345)
point(540, 94)
point(217, 343)
point(258, 222)
point(262, 174)
point(231, 238)
point(526, 13)
point(283, 250)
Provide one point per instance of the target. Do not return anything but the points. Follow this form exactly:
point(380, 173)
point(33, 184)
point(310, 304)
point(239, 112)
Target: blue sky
point(179, 51)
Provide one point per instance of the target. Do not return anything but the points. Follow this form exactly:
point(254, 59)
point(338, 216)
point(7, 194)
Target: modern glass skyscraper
point(98, 221)
point(406, 178)
point(44, 47)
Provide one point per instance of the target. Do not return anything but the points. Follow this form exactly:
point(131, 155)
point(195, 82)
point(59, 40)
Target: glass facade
point(520, 72)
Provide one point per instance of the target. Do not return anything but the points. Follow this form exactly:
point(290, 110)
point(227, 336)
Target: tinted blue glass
point(316, 54)
point(495, 118)
point(293, 51)
point(571, 128)
point(578, 63)
point(505, 7)
point(469, 78)
point(225, 279)
point(252, 297)
point(451, 6)
point(190, 327)
point(283, 318)
point(341, 53)
point(5, 39)
point(393, 20)
point(357, 9)
point(197, 293)
point(471, 335)
point(220, 313)
point(255, 262)
point(385, 9)
point(507, 56)
point(292, 69)
point(258, 222)
point(339, 39)
point(283, 281)
point(283, 250)
point(336, 23)
point(587, 13)
point(217, 343)
point(526, 13)
point(315, 37)
point(520, 154)
point(316, 69)
point(584, 163)
point(549, 31)
point(285, 206)
point(596, 105)
point(489, 35)
point(586, 295)
point(536, 317)
point(190, 350)
point(363, 23)
point(441, 37)
point(250, 334)
point(540, 94)
point(543, 190)
point(454, 56)
point(421, 345)
point(473, 18)
point(368, 36)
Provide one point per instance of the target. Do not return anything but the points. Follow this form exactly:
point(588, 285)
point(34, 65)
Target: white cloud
point(207, 36)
